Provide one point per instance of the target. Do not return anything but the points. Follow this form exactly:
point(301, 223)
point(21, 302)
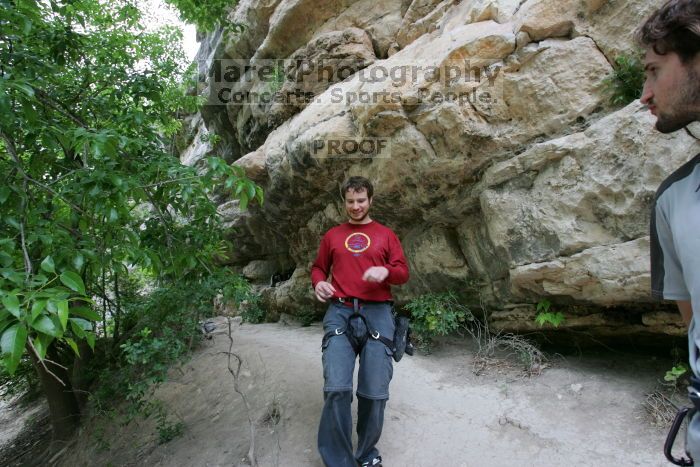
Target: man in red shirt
point(365, 258)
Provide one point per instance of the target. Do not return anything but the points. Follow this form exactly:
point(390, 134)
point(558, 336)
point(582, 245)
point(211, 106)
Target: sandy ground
point(579, 412)
point(24, 427)
point(14, 417)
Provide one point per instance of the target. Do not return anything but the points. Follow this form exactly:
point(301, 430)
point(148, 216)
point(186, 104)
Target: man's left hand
point(375, 274)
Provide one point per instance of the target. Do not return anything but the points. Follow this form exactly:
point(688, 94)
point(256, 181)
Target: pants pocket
point(389, 364)
point(376, 371)
point(338, 360)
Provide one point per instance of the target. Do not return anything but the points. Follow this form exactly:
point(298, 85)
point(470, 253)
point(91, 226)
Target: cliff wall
point(486, 128)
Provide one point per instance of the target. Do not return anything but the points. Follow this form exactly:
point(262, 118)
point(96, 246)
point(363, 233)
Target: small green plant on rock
point(626, 81)
point(211, 138)
point(167, 430)
point(277, 79)
point(676, 375)
point(545, 316)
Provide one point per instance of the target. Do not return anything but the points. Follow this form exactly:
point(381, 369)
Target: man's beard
point(687, 106)
point(364, 216)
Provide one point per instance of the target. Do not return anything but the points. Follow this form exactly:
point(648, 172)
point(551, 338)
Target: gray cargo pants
point(374, 375)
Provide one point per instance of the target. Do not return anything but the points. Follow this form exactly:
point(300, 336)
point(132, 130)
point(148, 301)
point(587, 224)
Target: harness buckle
point(375, 334)
point(338, 331)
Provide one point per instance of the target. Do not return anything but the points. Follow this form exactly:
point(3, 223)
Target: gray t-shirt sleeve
point(666, 271)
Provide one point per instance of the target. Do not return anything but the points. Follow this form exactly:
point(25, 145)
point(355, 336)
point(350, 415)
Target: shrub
point(525, 352)
point(438, 314)
point(160, 330)
point(626, 81)
point(239, 292)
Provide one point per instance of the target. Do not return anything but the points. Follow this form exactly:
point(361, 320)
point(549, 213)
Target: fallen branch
point(236, 379)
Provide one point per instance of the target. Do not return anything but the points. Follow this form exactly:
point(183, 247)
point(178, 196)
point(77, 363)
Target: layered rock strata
point(487, 130)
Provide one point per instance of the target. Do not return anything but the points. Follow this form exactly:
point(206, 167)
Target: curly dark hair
point(357, 184)
point(675, 27)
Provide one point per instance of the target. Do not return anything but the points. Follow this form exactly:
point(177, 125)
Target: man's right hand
point(324, 290)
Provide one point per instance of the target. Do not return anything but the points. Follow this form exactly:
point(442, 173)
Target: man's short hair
point(675, 27)
point(357, 184)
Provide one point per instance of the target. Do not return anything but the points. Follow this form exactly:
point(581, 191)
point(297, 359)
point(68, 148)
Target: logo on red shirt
point(357, 242)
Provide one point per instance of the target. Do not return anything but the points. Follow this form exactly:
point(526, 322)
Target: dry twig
point(524, 351)
point(660, 408)
point(236, 372)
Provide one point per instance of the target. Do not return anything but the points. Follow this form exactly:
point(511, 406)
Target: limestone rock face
point(329, 58)
point(603, 275)
point(199, 145)
point(487, 131)
point(436, 253)
point(609, 23)
point(254, 166)
point(584, 190)
point(259, 270)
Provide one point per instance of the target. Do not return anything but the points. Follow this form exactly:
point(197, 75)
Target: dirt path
point(24, 429)
point(579, 412)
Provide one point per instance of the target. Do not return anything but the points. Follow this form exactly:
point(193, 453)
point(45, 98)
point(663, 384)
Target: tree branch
point(60, 107)
point(161, 216)
point(165, 182)
point(43, 363)
point(61, 177)
point(12, 150)
point(102, 294)
point(23, 240)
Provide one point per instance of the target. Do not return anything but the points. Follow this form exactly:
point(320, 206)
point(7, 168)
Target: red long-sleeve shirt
point(351, 249)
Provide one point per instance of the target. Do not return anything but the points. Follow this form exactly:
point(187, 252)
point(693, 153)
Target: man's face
point(357, 205)
point(671, 90)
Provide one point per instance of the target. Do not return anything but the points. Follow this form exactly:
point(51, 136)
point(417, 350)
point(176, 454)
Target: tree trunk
point(79, 379)
point(63, 406)
point(118, 310)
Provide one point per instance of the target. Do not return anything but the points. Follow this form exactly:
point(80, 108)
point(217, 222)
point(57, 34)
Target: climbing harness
point(683, 413)
point(399, 345)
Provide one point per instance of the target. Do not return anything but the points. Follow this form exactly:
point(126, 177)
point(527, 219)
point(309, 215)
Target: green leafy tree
point(89, 107)
point(206, 15)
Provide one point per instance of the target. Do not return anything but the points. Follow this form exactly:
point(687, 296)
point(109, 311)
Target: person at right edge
point(671, 38)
